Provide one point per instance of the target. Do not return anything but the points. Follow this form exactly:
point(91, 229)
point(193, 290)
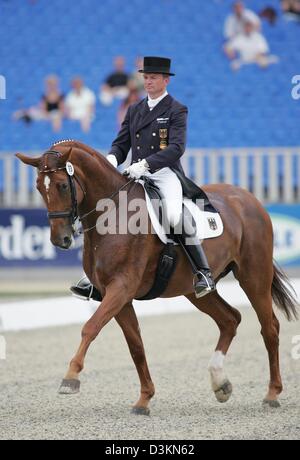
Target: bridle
point(72, 214)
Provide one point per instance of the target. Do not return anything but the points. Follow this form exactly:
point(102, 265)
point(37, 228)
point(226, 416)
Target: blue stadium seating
point(252, 107)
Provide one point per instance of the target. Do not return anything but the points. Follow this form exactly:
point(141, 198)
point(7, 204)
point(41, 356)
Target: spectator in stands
point(52, 103)
point(50, 107)
point(133, 96)
point(291, 9)
point(80, 104)
point(269, 14)
point(234, 23)
point(136, 80)
point(116, 84)
point(249, 47)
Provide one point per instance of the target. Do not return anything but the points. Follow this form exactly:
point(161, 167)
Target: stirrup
point(82, 289)
point(203, 285)
point(84, 292)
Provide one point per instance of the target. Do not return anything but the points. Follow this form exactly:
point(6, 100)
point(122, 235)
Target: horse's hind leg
point(127, 320)
point(227, 319)
point(258, 290)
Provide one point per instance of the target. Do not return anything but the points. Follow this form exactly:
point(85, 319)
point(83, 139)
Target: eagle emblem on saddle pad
point(212, 223)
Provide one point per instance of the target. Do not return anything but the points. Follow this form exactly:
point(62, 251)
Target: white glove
point(136, 170)
point(112, 159)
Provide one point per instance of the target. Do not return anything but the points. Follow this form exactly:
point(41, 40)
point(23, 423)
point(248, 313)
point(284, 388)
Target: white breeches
point(169, 185)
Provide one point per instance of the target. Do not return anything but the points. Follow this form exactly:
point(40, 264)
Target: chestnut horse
point(123, 266)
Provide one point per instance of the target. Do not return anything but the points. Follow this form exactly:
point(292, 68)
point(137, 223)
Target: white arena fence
point(272, 174)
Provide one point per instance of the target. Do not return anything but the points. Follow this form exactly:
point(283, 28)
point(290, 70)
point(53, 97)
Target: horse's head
point(61, 190)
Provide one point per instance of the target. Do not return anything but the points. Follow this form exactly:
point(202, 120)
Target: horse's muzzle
point(63, 242)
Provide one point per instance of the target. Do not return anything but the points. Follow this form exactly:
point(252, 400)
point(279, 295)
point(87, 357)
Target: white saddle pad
point(209, 224)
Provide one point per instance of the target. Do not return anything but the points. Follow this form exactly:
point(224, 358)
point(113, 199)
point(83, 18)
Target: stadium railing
point(272, 174)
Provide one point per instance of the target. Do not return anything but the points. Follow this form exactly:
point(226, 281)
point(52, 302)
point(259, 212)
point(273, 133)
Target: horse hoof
point(69, 387)
point(140, 411)
point(223, 393)
point(271, 403)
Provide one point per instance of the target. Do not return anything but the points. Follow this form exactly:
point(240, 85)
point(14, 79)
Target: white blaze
point(47, 181)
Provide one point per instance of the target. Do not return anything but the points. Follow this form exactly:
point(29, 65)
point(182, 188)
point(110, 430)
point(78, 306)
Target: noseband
point(72, 214)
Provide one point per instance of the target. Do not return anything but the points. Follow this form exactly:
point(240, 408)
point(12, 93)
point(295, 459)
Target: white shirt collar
point(153, 102)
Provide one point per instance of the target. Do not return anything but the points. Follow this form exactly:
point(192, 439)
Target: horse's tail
point(283, 294)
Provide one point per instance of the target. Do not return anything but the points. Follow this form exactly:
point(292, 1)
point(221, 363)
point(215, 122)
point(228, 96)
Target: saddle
point(168, 256)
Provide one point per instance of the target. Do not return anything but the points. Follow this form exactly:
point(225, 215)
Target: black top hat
point(157, 65)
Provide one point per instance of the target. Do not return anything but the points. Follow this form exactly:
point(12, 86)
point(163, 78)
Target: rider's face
point(155, 84)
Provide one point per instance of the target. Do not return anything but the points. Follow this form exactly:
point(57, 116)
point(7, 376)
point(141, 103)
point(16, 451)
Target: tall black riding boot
point(203, 280)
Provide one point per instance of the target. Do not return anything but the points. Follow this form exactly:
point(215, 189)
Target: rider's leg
point(170, 187)
point(187, 238)
point(171, 190)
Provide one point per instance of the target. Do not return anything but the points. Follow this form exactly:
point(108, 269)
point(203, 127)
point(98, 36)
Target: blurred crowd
point(244, 40)
point(79, 104)
point(244, 44)
point(291, 9)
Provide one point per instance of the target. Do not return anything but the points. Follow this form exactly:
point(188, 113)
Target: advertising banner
point(25, 238)
point(286, 224)
point(25, 241)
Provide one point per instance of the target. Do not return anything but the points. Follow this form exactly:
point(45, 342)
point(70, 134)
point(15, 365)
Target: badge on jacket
point(163, 135)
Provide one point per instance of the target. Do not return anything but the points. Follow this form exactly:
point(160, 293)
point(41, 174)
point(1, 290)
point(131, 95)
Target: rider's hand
point(112, 159)
point(136, 170)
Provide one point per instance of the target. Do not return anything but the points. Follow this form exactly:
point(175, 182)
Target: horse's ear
point(65, 156)
point(29, 160)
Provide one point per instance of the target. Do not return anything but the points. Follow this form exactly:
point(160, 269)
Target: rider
point(155, 130)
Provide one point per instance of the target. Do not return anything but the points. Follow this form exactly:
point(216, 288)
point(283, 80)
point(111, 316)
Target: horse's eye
point(63, 187)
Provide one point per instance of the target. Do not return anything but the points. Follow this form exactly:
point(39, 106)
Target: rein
point(80, 232)
point(73, 212)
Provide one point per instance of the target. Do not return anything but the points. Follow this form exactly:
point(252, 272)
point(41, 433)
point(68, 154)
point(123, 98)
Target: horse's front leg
point(115, 298)
point(128, 321)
